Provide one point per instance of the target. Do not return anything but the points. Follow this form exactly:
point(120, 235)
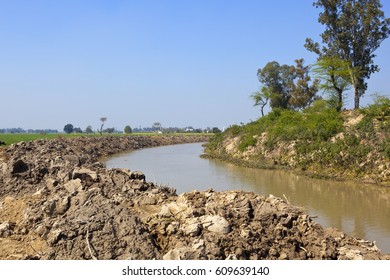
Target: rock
point(63, 205)
point(246, 233)
point(136, 175)
point(177, 254)
point(178, 209)
point(18, 166)
point(41, 192)
point(4, 167)
point(283, 256)
point(42, 230)
point(71, 160)
point(6, 229)
point(232, 257)
point(350, 254)
point(74, 186)
point(186, 252)
point(193, 228)
point(172, 228)
point(216, 224)
point(9, 200)
point(49, 207)
point(84, 174)
point(54, 236)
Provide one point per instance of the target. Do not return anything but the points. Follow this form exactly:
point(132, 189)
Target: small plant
point(247, 141)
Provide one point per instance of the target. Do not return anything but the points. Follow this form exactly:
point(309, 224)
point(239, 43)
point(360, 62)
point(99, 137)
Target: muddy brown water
point(357, 209)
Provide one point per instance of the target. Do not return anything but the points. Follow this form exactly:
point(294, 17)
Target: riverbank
point(59, 202)
point(319, 142)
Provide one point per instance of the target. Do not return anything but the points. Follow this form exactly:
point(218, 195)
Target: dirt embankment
point(359, 152)
point(57, 201)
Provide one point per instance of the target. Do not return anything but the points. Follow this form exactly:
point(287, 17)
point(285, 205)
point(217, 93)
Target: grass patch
point(11, 138)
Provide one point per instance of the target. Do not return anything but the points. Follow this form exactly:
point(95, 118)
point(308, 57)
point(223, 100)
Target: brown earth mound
point(57, 201)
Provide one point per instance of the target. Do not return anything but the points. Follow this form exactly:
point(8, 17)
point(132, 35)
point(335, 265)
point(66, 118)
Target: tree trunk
point(357, 98)
point(262, 109)
point(355, 85)
point(339, 100)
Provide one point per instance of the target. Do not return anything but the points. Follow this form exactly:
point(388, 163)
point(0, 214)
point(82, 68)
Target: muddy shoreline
point(58, 201)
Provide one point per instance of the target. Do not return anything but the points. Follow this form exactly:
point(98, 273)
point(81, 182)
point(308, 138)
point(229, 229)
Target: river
point(357, 209)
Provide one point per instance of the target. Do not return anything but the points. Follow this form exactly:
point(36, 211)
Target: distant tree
point(68, 128)
point(354, 30)
point(216, 130)
point(102, 119)
point(77, 130)
point(128, 129)
point(277, 79)
point(286, 86)
point(261, 98)
point(303, 93)
point(157, 126)
point(109, 130)
point(89, 130)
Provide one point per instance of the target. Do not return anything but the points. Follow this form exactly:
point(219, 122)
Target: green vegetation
point(68, 128)
point(318, 139)
point(318, 122)
point(305, 131)
point(361, 147)
point(286, 86)
point(353, 31)
point(334, 74)
point(128, 129)
point(11, 138)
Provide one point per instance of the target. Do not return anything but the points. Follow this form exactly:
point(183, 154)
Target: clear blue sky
point(180, 63)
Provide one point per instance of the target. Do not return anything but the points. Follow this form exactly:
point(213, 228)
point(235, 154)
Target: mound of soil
point(57, 201)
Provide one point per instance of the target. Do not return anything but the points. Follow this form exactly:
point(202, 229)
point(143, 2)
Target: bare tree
point(102, 119)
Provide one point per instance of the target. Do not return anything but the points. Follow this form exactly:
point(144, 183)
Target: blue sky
point(180, 63)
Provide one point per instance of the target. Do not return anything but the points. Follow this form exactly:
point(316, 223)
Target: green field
point(10, 138)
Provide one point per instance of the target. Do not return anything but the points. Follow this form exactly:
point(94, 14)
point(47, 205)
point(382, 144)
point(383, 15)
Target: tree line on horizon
point(156, 127)
point(354, 30)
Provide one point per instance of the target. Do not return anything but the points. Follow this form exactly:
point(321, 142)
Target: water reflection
point(358, 209)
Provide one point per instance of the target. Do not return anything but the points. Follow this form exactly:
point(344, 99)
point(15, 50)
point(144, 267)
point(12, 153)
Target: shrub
point(247, 141)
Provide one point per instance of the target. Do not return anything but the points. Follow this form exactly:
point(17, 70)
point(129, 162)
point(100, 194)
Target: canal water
point(357, 209)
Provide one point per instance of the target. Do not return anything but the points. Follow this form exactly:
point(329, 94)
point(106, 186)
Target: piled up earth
point(57, 201)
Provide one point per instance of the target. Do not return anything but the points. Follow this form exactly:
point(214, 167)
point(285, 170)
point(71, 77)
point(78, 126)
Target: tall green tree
point(335, 79)
point(288, 86)
point(354, 30)
point(277, 79)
